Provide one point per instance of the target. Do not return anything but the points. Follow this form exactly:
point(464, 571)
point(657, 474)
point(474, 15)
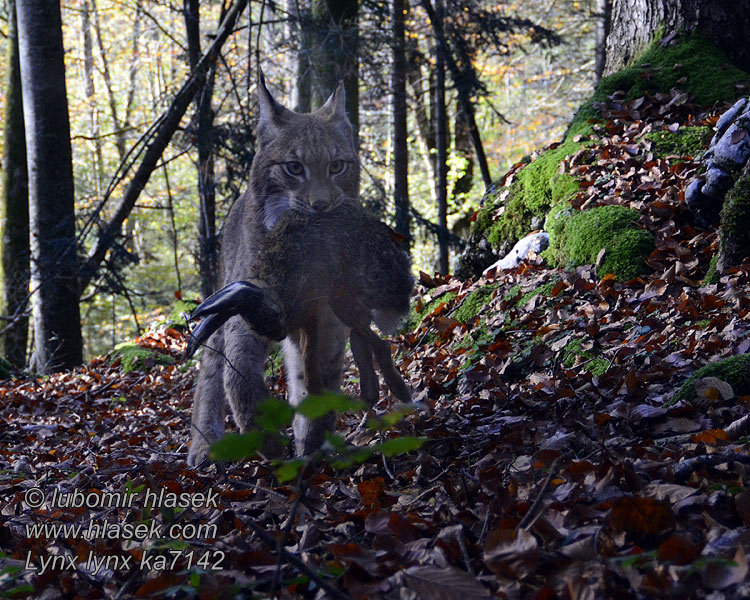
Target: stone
point(733, 149)
point(694, 197)
point(717, 184)
point(728, 117)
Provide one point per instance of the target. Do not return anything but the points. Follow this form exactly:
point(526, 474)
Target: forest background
point(125, 60)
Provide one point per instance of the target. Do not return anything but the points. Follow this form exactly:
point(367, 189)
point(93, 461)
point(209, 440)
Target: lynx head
point(305, 162)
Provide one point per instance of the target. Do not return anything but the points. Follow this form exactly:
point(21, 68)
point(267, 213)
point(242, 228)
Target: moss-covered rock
point(700, 69)
point(735, 370)
point(712, 275)
point(534, 189)
point(734, 242)
point(687, 141)
point(133, 357)
point(710, 75)
point(577, 237)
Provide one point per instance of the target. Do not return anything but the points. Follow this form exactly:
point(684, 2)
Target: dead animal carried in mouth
point(303, 262)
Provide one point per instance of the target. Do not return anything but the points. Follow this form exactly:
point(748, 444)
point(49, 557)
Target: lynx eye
point(336, 166)
point(294, 167)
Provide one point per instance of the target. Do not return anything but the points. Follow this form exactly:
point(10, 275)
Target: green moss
point(473, 303)
point(134, 357)
point(544, 290)
point(577, 239)
point(416, 317)
point(535, 188)
point(512, 292)
point(712, 275)
point(596, 365)
point(710, 75)
point(539, 186)
point(734, 241)
point(735, 370)
point(176, 316)
point(688, 141)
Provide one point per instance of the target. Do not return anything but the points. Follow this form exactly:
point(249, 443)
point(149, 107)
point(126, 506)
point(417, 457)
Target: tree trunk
point(300, 32)
point(602, 20)
point(441, 139)
point(336, 54)
point(120, 140)
point(635, 22)
point(208, 257)
point(400, 149)
point(88, 74)
point(15, 209)
point(57, 323)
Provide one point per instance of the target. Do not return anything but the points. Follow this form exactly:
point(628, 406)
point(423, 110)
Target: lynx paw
point(198, 454)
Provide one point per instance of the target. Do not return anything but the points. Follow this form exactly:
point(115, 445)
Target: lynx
point(301, 260)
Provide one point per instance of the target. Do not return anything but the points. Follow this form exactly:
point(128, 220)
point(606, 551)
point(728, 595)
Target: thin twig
point(534, 512)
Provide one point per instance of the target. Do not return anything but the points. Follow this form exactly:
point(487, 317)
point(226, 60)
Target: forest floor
point(557, 463)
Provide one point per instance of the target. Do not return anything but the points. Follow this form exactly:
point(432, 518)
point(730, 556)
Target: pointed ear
point(335, 106)
point(272, 114)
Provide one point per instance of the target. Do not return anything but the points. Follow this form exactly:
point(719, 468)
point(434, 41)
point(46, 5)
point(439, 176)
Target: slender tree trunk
point(441, 138)
point(400, 148)
point(15, 208)
point(57, 323)
point(208, 256)
point(336, 54)
point(464, 99)
point(120, 140)
point(635, 22)
point(88, 74)
point(423, 108)
point(134, 66)
point(602, 18)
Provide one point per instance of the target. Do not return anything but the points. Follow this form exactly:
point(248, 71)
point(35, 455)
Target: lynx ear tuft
point(272, 114)
point(335, 106)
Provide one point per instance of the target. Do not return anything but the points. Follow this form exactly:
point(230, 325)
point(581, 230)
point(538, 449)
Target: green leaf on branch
point(314, 407)
point(235, 446)
point(290, 470)
point(275, 415)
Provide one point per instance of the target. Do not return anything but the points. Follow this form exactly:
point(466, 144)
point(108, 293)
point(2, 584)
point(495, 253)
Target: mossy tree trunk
point(634, 25)
point(14, 211)
point(734, 240)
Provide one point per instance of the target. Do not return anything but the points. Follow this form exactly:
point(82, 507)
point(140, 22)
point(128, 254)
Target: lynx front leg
point(244, 379)
point(209, 406)
point(314, 360)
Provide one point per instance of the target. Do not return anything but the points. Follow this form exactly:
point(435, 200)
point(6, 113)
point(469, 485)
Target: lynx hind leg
point(209, 405)
point(319, 354)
